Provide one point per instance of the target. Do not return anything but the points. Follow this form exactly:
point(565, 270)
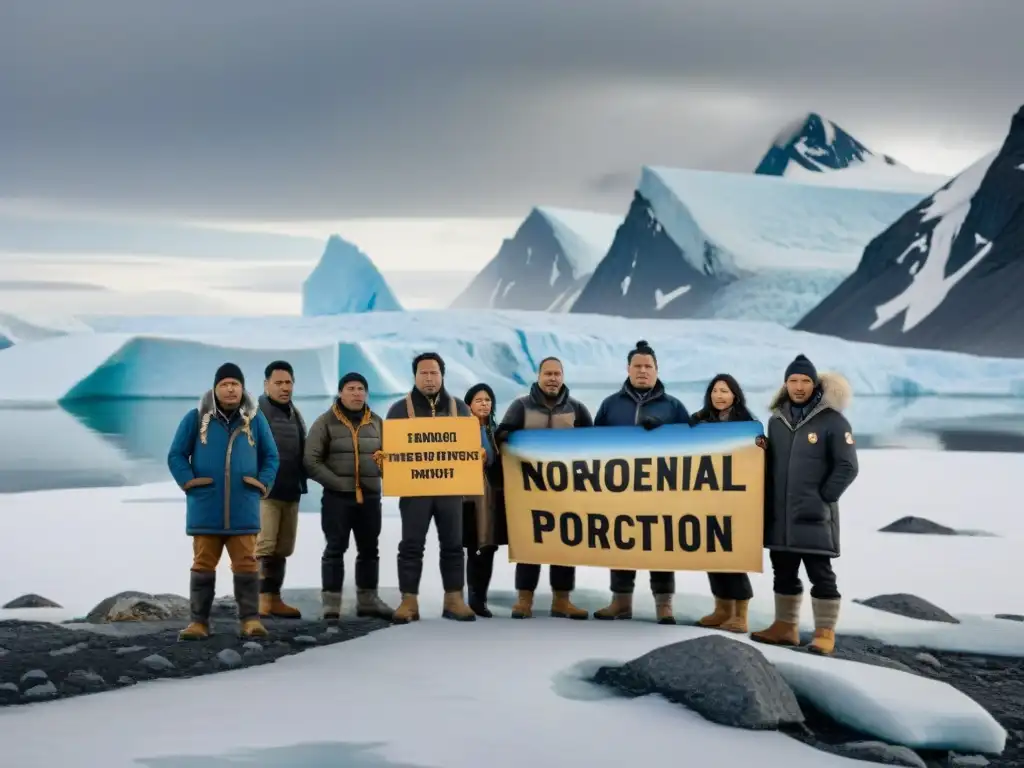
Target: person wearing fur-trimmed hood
point(223, 456)
point(812, 460)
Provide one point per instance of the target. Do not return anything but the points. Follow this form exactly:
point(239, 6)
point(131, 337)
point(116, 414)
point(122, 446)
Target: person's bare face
point(353, 395)
point(228, 392)
point(721, 396)
point(481, 405)
point(799, 388)
point(428, 377)
point(279, 387)
point(643, 371)
point(550, 378)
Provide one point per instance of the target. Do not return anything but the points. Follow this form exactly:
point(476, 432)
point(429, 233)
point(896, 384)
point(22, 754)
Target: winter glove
point(649, 423)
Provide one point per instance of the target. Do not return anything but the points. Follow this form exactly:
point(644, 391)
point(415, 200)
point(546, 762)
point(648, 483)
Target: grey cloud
point(348, 108)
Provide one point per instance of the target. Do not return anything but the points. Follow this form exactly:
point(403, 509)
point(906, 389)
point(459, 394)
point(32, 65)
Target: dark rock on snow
point(880, 752)
point(911, 606)
point(724, 680)
point(920, 525)
point(1010, 616)
point(31, 601)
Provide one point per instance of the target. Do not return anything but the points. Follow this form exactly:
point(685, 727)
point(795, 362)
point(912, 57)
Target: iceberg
point(545, 265)
point(163, 357)
point(706, 244)
point(815, 150)
point(346, 280)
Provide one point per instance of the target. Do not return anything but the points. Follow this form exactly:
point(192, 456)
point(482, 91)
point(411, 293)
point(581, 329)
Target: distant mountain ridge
point(545, 264)
point(816, 144)
point(948, 274)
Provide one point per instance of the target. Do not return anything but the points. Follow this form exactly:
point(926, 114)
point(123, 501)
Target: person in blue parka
point(225, 459)
point(641, 401)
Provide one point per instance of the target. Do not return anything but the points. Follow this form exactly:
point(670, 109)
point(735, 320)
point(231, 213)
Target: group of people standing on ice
point(244, 465)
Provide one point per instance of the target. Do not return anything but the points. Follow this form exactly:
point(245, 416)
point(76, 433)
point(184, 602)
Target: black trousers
point(479, 569)
point(562, 577)
point(417, 513)
point(341, 517)
point(731, 586)
point(662, 582)
point(786, 568)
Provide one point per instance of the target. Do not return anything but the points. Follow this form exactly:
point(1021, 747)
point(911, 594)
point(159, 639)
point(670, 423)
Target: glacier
point(172, 357)
point(814, 150)
point(708, 244)
point(546, 263)
point(346, 280)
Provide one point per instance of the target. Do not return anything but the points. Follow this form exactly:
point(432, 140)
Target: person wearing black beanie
point(344, 453)
point(429, 398)
point(223, 456)
point(811, 461)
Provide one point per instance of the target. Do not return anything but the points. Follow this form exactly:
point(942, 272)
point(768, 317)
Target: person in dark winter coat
point(224, 457)
point(724, 401)
point(548, 406)
point(279, 512)
point(483, 517)
point(642, 400)
point(812, 460)
point(343, 454)
point(428, 399)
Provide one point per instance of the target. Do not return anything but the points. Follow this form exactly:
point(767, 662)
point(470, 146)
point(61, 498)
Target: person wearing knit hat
point(811, 460)
point(427, 399)
point(223, 456)
point(344, 452)
point(279, 512)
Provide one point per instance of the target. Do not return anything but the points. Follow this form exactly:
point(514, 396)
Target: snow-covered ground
point(511, 693)
point(173, 356)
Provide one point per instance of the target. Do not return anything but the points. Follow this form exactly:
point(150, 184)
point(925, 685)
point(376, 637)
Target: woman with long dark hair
point(483, 517)
point(724, 401)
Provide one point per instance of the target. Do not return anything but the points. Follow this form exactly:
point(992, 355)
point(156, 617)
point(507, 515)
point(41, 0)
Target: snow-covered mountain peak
point(346, 280)
point(584, 236)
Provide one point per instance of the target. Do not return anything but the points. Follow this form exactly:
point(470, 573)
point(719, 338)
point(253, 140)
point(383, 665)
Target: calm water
point(124, 442)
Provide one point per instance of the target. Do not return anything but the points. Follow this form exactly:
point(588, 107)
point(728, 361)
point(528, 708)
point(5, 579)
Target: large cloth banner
point(676, 498)
point(440, 456)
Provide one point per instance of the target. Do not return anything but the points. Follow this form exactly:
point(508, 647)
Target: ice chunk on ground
point(895, 706)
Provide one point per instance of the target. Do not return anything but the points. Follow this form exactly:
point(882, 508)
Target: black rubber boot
point(202, 588)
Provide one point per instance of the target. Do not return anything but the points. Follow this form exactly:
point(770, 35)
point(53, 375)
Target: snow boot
point(522, 608)
point(455, 608)
point(663, 609)
point(785, 630)
point(331, 607)
point(408, 610)
point(826, 615)
point(202, 587)
point(271, 578)
point(478, 603)
point(369, 605)
point(621, 607)
point(271, 605)
point(738, 621)
point(562, 607)
point(724, 610)
point(247, 595)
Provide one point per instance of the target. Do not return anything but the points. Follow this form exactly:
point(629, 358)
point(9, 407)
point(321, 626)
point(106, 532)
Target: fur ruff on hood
point(836, 392)
point(247, 409)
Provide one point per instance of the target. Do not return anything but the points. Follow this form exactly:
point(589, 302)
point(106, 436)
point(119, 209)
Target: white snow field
point(173, 356)
point(508, 693)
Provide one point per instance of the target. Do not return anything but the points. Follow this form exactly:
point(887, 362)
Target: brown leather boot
point(723, 612)
point(738, 621)
point(523, 606)
point(785, 630)
point(826, 615)
point(408, 610)
point(663, 609)
point(621, 607)
point(253, 628)
point(271, 605)
point(194, 631)
point(562, 607)
point(455, 608)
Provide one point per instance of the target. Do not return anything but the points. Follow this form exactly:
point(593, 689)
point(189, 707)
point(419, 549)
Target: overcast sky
point(344, 108)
